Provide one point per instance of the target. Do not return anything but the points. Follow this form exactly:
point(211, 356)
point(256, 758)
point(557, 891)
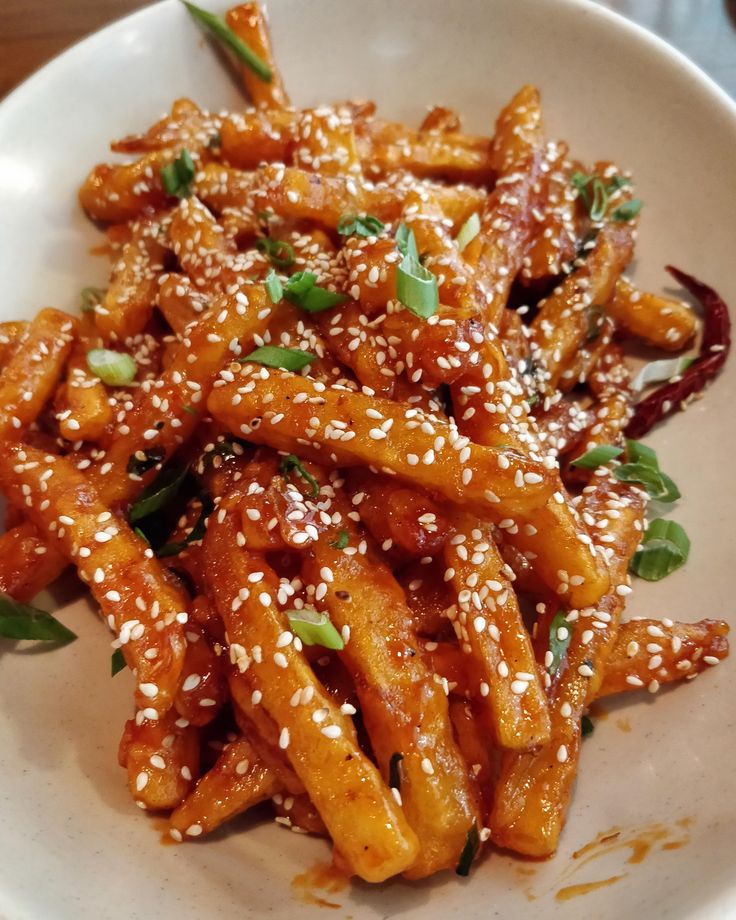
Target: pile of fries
point(313, 451)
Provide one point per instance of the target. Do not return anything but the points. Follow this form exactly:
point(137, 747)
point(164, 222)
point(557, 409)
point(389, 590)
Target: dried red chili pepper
point(713, 353)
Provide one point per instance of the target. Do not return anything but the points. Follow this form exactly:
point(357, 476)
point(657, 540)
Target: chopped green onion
point(115, 368)
point(225, 449)
point(144, 460)
point(314, 628)
point(292, 462)
point(21, 621)
point(359, 225)
point(394, 770)
point(274, 287)
point(637, 452)
point(560, 634)
point(618, 182)
point(595, 317)
point(416, 286)
point(470, 851)
point(279, 252)
point(597, 202)
point(197, 532)
point(221, 30)
point(657, 371)
point(117, 662)
point(628, 210)
point(290, 359)
point(586, 726)
point(91, 297)
point(158, 494)
point(139, 533)
point(405, 242)
point(302, 291)
point(600, 201)
point(342, 540)
point(190, 410)
point(598, 456)
point(659, 486)
point(177, 177)
point(468, 232)
point(664, 548)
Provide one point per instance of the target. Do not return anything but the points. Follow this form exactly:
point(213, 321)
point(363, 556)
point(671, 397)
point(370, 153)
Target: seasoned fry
point(248, 21)
point(162, 759)
point(125, 579)
point(650, 653)
point(488, 624)
point(29, 378)
point(237, 782)
point(445, 462)
point(660, 321)
point(28, 563)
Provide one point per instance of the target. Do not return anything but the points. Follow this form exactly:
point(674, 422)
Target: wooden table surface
point(33, 31)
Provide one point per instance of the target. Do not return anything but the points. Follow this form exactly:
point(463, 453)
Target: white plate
point(71, 842)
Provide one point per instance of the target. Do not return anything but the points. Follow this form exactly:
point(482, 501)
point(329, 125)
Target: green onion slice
point(115, 368)
point(197, 532)
point(470, 851)
point(664, 548)
point(158, 494)
point(659, 486)
point(359, 225)
point(468, 232)
point(405, 242)
point(290, 359)
point(292, 463)
point(637, 452)
point(117, 662)
point(90, 298)
point(342, 540)
point(144, 460)
point(279, 252)
point(274, 288)
point(598, 456)
point(177, 177)
point(21, 621)
point(302, 291)
point(627, 211)
point(225, 34)
point(314, 628)
point(560, 634)
point(586, 726)
point(416, 286)
point(658, 371)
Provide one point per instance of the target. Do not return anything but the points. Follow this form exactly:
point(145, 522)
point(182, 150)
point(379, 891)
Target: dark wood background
point(33, 31)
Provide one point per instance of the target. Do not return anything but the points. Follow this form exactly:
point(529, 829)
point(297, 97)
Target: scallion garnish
point(225, 34)
point(595, 317)
point(470, 851)
point(586, 726)
point(643, 468)
point(279, 252)
point(657, 371)
point(115, 368)
point(158, 494)
point(302, 291)
point(314, 628)
point(342, 540)
point(144, 460)
point(628, 210)
point(394, 770)
point(197, 532)
point(597, 456)
point(21, 621)
point(117, 662)
point(274, 288)
point(290, 359)
point(416, 286)
point(664, 548)
point(291, 463)
point(359, 225)
point(177, 176)
point(560, 634)
point(90, 298)
point(468, 232)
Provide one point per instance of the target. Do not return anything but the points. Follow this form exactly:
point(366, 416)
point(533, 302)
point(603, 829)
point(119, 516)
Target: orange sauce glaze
point(324, 877)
